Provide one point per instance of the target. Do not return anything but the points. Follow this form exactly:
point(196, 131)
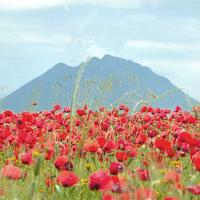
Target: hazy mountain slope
point(105, 81)
point(43, 90)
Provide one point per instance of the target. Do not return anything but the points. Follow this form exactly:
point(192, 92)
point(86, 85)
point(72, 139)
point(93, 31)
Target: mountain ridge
point(126, 76)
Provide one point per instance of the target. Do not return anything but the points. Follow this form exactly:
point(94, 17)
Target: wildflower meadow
point(108, 154)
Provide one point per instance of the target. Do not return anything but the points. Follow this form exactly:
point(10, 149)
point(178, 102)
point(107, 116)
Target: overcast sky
point(161, 34)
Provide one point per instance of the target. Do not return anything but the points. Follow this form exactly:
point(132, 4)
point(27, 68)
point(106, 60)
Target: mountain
point(107, 81)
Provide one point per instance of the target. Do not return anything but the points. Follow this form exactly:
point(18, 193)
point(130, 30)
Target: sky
point(162, 34)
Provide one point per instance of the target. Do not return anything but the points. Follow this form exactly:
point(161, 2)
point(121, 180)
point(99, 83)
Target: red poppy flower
point(150, 109)
point(122, 156)
point(143, 109)
point(147, 118)
point(81, 112)
point(186, 138)
point(177, 109)
point(101, 141)
point(67, 178)
point(115, 168)
point(26, 158)
point(141, 139)
point(110, 146)
point(164, 145)
point(60, 162)
point(99, 180)
point(195, 189)
point(12, 172)
point(123, 107)
point(49, 153)
point(121, 144)
point(105, 126)
point(78, 122)
point(67, 110)
point(152, 133)
point(92, 147)
point(57, 107)
point(8, 113)
point(143, 174)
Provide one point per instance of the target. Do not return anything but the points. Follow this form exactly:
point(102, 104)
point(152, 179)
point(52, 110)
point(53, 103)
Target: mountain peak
point(60, 64)
point(110, 57)
point(58, 67)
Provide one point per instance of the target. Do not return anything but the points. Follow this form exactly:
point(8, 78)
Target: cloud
point(95, 50)
point(75, 48)
point(81, 49)
point(162, 45)
point(41, 4)
point(155, 44)
point(36, 38)
point(29, 4)
point(111, 3)
point(46, 39)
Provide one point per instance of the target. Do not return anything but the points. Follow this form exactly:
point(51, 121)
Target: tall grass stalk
point(75, 95)
point(164, 94)
point(94, 94)
point(152, 100)
point(121, 98)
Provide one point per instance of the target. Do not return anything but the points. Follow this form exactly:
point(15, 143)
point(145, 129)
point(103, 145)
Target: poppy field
point(152, 154)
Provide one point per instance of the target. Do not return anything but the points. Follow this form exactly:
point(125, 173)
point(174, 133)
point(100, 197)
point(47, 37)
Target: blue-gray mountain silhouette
point(108, 81)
